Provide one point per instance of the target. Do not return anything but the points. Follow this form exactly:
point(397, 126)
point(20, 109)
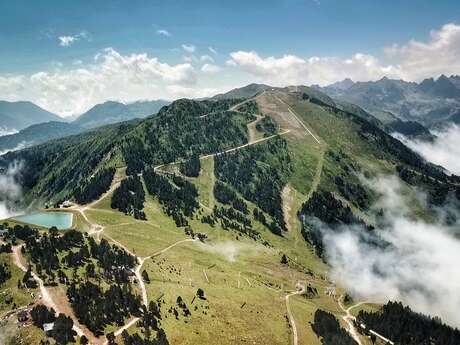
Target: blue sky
point(32, 35)
point(29, 29)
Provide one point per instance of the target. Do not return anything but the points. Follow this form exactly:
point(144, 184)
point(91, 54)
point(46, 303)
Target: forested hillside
point(404, 326)
point(60, 169)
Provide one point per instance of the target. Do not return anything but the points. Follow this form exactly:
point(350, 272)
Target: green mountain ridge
point(112, 112)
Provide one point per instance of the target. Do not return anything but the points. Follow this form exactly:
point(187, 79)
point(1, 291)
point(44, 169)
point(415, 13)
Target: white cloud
point(444, 150)
point(190, 58)
point(291, 69)
point(189, 48)
point(6, 131)
point(19, 146)
point(163, 32)
point(206, 58)
point(183, 91)
point(130, 77)
point(416, 267)
point(111, 76)
point(10, 190)
point(210, 68)
point(68, 40)
point(440, 55)
point(413, 61)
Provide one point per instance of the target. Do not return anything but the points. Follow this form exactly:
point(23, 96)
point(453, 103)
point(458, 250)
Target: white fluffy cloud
point(291, 69)
point(137, 76)
point(189, 48)
point(439, 55)
point(206, 58)
point(111, 76)
point(210, 68)
point(10, 190)
point(68, 40)
point(163, 32)
point(417, 267)
point(412, 61)
point(6, 131)
point(444, 150)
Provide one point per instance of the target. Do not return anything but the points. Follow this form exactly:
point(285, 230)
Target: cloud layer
point(10, 190)
point(112, 75)
point(163, 32)
point(412, 61)
point(67, 41)
point(417, 267)
point(6, 131)
point(444, 150)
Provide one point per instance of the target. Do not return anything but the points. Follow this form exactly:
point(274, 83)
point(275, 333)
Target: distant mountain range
point(391, 123)
point(19, 115)
point(394, 105)
point(15, 116)
point(430, 102)
point(37, 134)
point(23, 124)
point(113, 112)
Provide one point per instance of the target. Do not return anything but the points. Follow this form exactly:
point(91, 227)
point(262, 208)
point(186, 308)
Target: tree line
point(328, 329)
point(129, 197)
point(99, 284)
point(177, 195)
point(97, 308)
point(267, 126)
point(324, 209)
point(95, 187)
point(149, 323)
point(259, 173)
point(406, 327)
point(178, 132)
point(191, 167)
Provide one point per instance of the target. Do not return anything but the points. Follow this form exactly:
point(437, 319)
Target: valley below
point(232, 221)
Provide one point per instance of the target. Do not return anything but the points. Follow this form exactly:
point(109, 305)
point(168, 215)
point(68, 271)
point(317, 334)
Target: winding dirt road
point(141, 262)
point(300, 290)
point(349, 319)
point(245, 145)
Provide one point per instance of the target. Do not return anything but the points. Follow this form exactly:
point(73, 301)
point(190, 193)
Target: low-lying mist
point(7, 131)
point(444, 150)
point(10, 190)
point(229, 250)
point(20, 146)
point(419, 265)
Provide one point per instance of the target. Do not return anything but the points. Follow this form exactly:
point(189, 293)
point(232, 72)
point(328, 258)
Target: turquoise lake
point(61, 220)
